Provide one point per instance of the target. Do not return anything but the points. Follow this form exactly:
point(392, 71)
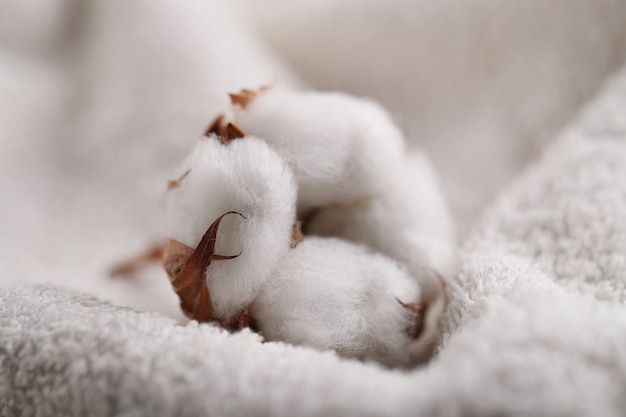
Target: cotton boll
point(248, 177)
point(340, 146)
point(331, 294)
point(408, 220)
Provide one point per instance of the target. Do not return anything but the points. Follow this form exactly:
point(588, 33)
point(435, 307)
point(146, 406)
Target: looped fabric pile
point(514, 124)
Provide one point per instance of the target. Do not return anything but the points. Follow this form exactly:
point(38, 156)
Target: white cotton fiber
point(408, 220)
point(248, 177)
point(331, 294)
point(340, 146)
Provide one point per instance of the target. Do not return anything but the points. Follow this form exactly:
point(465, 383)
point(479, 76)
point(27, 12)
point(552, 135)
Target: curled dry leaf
point(186, 268)
point(175, 255)
point(245, 96)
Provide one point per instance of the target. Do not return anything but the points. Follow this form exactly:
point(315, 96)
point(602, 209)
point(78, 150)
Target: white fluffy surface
point(330, 294)
point(341, 147)
point(407, 220)
point(248, 177)
point(536, 322)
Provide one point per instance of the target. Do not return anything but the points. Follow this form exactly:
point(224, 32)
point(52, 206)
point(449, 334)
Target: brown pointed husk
point(245, 96)
point(186, 269)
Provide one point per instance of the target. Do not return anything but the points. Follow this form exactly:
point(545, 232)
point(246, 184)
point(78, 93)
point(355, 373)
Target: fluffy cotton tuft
point(248, 177)
point(365, 289)
point(408, 220)
point(331, 294)
point(340, 146)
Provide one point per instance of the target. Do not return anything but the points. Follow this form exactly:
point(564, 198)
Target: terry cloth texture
point(536, 323)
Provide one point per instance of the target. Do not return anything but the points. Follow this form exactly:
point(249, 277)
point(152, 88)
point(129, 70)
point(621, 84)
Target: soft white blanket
point(100, 100)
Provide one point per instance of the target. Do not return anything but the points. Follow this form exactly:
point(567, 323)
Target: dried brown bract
point(245, 96)
point(232, 132)
point(171, 184)
point(239, 322)
point(153, 254)
point(186, 268)
point(296, 234)
point(226, 131)
point(419, 309)
point(426, 341)
point(217, 127)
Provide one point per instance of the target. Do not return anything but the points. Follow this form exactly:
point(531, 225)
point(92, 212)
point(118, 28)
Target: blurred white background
point(99, 100)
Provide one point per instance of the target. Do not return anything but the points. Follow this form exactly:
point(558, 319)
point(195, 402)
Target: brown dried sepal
point(217, 127)
point(296, 234)
point(239, 322)
point(419, 309)
point(245, 96)
point(130, 266)
point(226, 131)
point(171, 184)
point(186, 268)
point(232, 132)
point(176, 253)
point(427, 332)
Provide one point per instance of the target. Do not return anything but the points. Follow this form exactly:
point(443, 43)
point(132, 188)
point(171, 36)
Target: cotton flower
point(340, 147)
point(248, 179)
point(364, 289)
point(331, 294)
